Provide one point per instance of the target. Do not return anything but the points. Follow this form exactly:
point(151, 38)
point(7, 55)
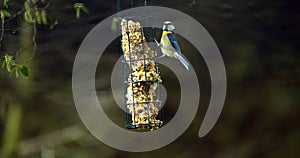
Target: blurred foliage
point(11, 131)
point(34, 12)
point(13, 68)
point(259, 41)
point(80, 7)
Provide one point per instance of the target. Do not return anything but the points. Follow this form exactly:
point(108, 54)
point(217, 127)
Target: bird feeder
point(141, 75)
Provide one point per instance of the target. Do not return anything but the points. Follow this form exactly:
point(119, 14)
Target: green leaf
point(37, 14)
point(194, 2)
point(3, 14)
point(26, 17)
point(9, 59)
point(77, 13)
point(3, 64)
point(85, 10)
point(27, 6)
point(114, 24)
point(5, 3)
point(17, 73)
point(28, 13)
point(14, 70)
point(78, 7)
point(6, 13)
point(44, 17)
point(24, 70)
point(8, 67)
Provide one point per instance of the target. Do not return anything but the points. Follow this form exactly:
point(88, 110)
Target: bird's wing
point(173, 41)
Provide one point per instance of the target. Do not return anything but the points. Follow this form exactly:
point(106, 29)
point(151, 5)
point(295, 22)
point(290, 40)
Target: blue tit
point(169, 45)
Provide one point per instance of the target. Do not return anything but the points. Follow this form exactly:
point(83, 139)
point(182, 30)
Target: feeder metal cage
point(141, 75)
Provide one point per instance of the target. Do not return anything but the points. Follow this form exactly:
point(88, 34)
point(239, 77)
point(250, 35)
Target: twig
point(19, 28)
point(48, 4)
point(2, 33)
point(24, 48)
point(33, 37)
point(34, 44)
point(16, 53)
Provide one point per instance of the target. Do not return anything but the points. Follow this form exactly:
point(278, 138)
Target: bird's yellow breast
point(164, 38)
point(167, 47)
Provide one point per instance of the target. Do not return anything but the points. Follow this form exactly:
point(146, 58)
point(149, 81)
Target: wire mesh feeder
point(141, 76)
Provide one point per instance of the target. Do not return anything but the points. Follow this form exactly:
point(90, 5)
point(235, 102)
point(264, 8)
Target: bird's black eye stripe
point(168, 24)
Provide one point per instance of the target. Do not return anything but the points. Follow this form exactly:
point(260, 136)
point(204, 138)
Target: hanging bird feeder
point(141, 75)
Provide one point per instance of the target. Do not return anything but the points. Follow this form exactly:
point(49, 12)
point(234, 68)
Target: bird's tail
point(182, 60)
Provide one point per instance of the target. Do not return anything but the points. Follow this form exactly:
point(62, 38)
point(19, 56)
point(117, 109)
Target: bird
point(169, 45)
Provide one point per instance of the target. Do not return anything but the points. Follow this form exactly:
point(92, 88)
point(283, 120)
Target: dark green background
point(259, 41)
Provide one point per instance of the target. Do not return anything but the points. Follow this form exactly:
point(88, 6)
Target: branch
point(21, 11)
point(34, 36)
point(50, 140)
point(16, 29)
point(34, 44)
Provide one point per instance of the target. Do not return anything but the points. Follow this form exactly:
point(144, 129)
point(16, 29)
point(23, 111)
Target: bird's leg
point(158, 44)
point(162, 56)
